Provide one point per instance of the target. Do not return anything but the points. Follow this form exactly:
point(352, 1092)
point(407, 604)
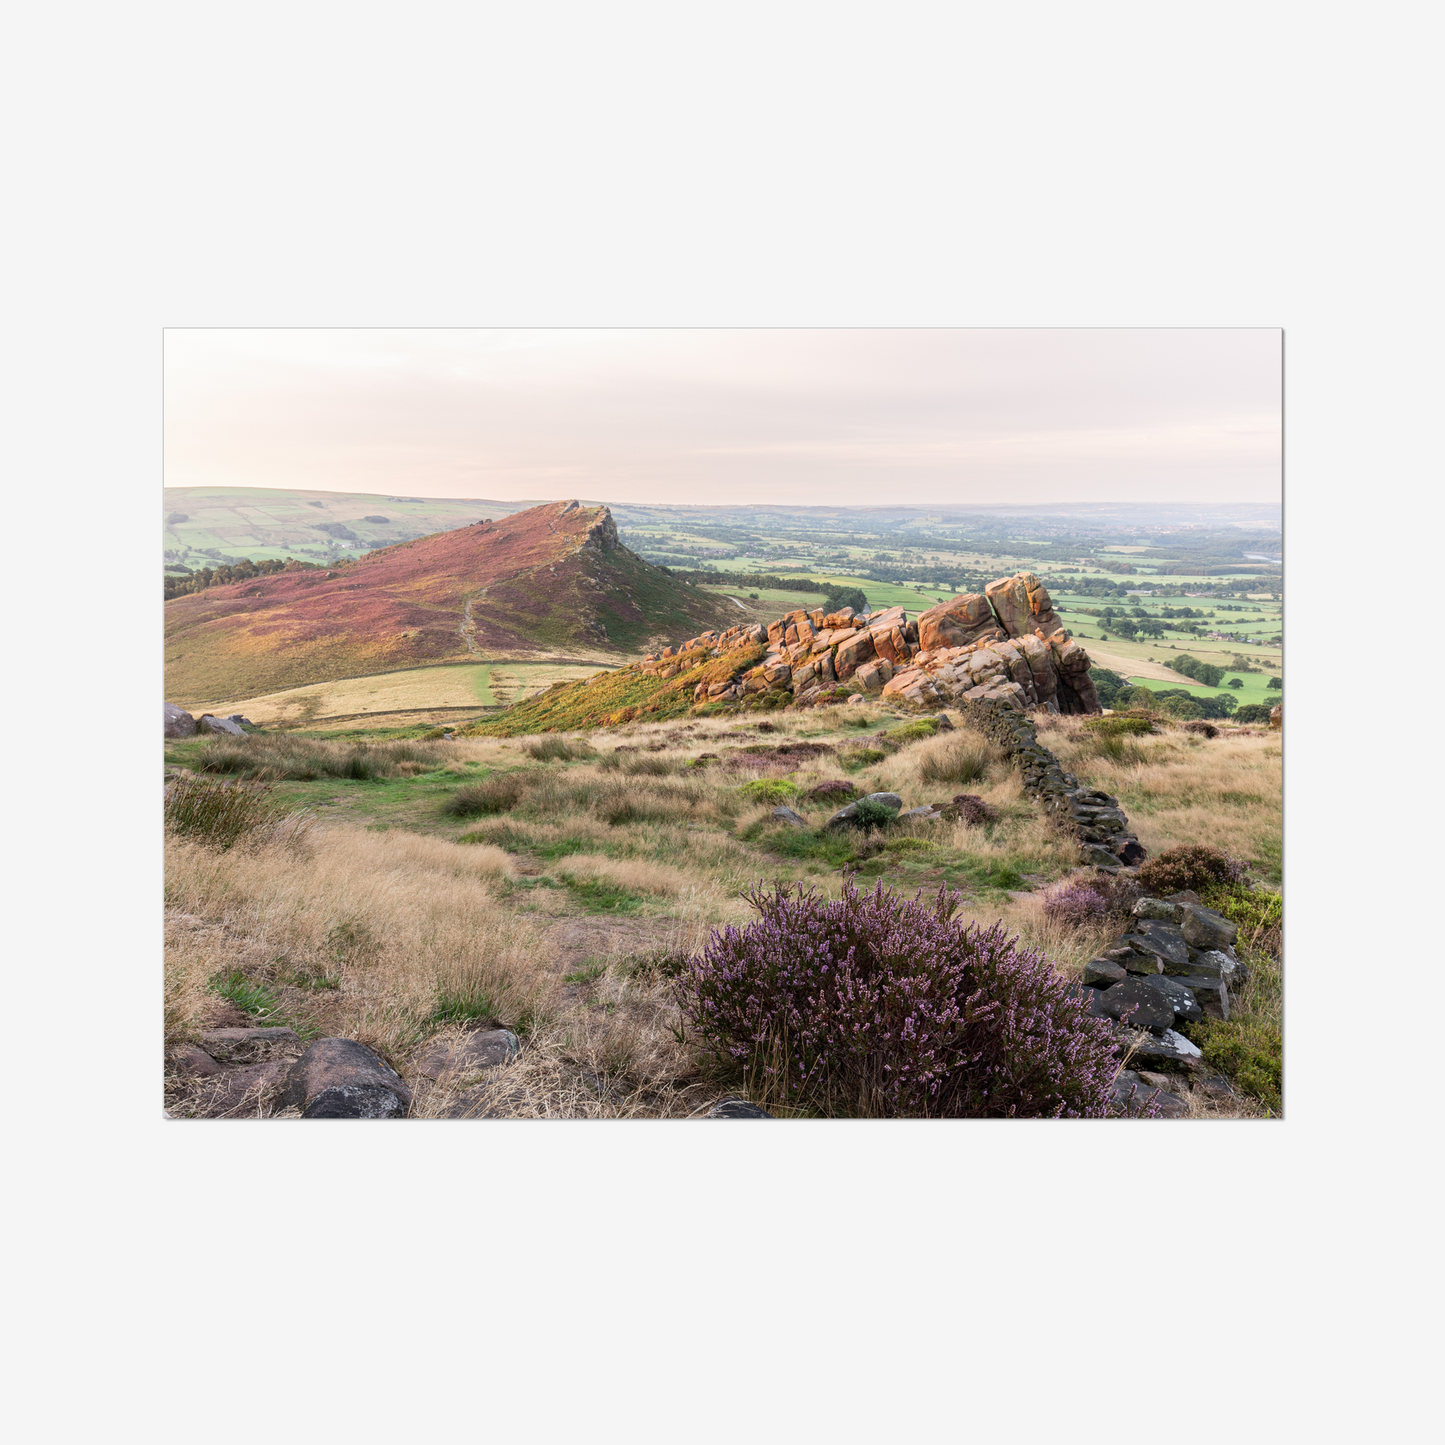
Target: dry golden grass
point(1226, 792)
point(418, 933)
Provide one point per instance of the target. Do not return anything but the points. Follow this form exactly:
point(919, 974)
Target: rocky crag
point(1004, 644)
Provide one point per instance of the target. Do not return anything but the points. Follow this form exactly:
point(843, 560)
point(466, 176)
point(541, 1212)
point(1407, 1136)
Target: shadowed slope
point(553, 578)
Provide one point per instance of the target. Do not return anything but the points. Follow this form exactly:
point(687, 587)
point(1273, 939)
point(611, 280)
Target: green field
point(224, 524)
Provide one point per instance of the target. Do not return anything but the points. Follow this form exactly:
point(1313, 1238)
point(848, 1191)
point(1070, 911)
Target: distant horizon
point(664, 417)
point(761, 506)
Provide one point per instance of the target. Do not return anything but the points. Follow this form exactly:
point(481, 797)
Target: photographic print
point(723, 724)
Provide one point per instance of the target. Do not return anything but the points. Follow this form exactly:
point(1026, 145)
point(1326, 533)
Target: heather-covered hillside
point(549, 581)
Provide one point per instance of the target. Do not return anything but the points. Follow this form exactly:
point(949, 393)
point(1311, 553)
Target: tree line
point(229, 572)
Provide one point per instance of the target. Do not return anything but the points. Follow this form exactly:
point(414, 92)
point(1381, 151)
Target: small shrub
point(1204, 729)
point(1085, 902)
point(649, 767)
point(1117, 748)
point(1119, 724)
point(498, 794)
point(871, 815)
point(879, 1006)
point(973, 810)
point(1257, 913)
point(769, 790)
point(222, 815)
point(962, 762)
point(856, 759)
point(836, 791)
point(1192, 866)
point(913, 732)
point(1248, 1051)
point(548, 750)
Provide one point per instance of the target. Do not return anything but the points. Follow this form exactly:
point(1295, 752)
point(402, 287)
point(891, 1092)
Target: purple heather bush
point(881, 1006)
point(1194, 865)
point(1086, 901)
point(972, 809)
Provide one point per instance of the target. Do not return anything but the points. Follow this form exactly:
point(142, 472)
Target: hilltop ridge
point(551, 578)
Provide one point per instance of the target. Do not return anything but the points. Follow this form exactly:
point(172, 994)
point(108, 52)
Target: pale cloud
point(786, 416)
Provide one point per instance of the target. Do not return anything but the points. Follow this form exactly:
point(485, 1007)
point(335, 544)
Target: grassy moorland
point(549, 583)
point(553, 884)
point(455, 688)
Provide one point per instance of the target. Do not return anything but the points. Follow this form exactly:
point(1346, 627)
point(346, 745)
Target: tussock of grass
point(295, 759)
point(223, 815)
point(558, 749)
point(499, 794)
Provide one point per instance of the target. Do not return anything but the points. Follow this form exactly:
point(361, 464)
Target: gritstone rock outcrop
point(1005, 644)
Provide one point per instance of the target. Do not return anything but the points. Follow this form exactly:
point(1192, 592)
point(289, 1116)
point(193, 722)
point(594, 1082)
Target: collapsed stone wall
point(1005, 644)
point(1094, 817)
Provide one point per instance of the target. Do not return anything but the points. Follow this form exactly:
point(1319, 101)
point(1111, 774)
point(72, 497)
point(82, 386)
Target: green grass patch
point(769, 790)
point(913, 732)
point(461, 1007)
point(589, 972)
point(803, 844)
point(855, 760)
point(247, 994)
point(598, 895)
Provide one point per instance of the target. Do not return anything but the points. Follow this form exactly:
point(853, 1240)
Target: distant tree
point(1254, 712)
point(753, 595)
point(1236, 682)
point(1275, 682)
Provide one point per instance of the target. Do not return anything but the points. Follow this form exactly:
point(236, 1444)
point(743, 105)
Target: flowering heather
point(1091, 900)
point(972, 809)
point(1192, 866)
point(836, 789)
point(878, 1005)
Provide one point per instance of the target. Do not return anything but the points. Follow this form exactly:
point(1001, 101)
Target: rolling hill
point(204, 526)
point(551, 581)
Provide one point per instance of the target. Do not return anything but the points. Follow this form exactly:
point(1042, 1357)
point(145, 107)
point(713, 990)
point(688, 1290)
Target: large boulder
point(1135, 1002)
point(1166, 1048)
point(1186, 1007)
point(957, 622)
point(469, 1054)
point(1134, 1095)
point(224, 725)
point(1203, 927)
point(247, 1046)
point(1103, 973)
point(343, 1079)
point(179, 723)
point(1023, 606)
point(1163, 940)
point(848, 817)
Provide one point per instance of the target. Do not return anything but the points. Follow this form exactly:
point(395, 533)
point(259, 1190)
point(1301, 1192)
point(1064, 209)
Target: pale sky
point(807, 417)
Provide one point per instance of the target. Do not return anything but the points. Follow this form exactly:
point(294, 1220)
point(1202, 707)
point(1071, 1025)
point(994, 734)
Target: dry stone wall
point(1094, 817)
